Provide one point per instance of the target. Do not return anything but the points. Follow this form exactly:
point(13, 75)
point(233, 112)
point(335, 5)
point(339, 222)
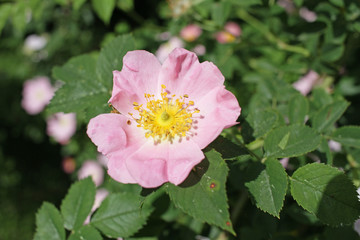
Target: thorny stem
point(255, 23)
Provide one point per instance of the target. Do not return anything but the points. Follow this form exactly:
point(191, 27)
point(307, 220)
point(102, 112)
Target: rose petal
point(219, 109)
point(152, 165)
point(182, 158)
point(182, 74)
point(139, 75)
point(117, 168)
point(106, 131)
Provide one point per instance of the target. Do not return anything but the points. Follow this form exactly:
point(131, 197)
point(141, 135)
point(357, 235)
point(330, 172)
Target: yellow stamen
point(165, 118)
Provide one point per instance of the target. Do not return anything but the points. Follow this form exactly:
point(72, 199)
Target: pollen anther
point(165, 118)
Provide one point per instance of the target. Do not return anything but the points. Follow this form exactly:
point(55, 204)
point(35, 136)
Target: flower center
point(165, 118)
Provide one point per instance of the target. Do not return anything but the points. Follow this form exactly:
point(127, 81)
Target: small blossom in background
point(190, 33)
point(37, 93)
point(284, 162)
point(34, 43)
point(93, 169)
point(357, 226)
point(61, 126)
point(288, 5)
point(233, 28)
point(164, 36)
point(100, 196)
point(199, 49)
point(166, 114)
point(334, 146)
point(307, 15)
point(230, 33)
point(68, 165)
point(165, 49)
point(305, 84)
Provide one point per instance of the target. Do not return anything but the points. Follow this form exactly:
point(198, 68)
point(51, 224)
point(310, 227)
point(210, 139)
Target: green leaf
point(206, 200)
point(85, 233)
point(325, 118)
point(77, 204)
point(339, 3)
point(269, 188)
point(291, 141)
point(320, 98)
point(332, 52)
point(111, 57)
point(262, 121)
point(82, 91)
point(121, 215)
point(298, 109)
point(104, 9)
point(348, 135)
point(326, 192)
point(324, 149)
point(5, 11)
point(220, 12)
point(77, 4)
point(18, 16)
point(49, 224)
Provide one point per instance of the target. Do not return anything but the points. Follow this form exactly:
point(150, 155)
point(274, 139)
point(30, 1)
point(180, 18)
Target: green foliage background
point(254, 196)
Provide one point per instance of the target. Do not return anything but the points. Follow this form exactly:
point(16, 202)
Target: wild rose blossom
point(231, 31)
point(307, 15)
point(191, 32)
point(163, 116)
point(305, 84)
point(61, 126)
point(37, 93)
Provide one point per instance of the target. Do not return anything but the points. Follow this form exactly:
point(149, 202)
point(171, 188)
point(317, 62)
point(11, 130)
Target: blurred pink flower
point(165, 49)
point(93, 169)
point(168, 113)
point(334, 146)
point(284, 162)
point(288, 5)
point(306, 83)
point(231, 31)
point(61, 127)
point(191, 32)
point(68, 165)
point(199, 49)
point(307, 15)
point(357, 226)
point(34, 42)
point(233, 28)
point(100, 196)
point(37, 93)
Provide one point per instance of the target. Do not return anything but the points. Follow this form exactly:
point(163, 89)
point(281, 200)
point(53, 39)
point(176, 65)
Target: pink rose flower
point(61, 127)
point(191, 32)
point(166, 114)
point(37, 93)
point(233, 28)
point(305, 84)
point(231, 31)
point(307, 15)
point(199, 49)
point(93, 169)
